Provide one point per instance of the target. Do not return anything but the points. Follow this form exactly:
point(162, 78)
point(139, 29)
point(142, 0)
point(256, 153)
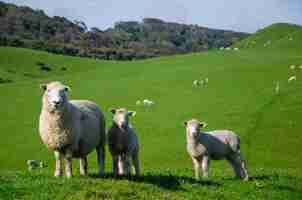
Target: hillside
point(280, 35)
point(240, 96)
point(24, 27)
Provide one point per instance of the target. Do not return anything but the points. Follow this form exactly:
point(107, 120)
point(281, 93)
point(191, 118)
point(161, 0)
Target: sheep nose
point(56, 103)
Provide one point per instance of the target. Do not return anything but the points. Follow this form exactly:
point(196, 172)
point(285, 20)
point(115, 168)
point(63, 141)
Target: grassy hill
point(240, 96)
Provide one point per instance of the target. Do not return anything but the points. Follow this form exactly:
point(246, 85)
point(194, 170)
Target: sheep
point(148, 103)
point(138, 102)
point(71, 129)
point(195, 83)
point(236, 49)
point(277, 88)
point(216, 145)
point(292, 78)
point(123, 143)
point(300, 67)
point(206, 81)
point(292, 67)
point(33, 164)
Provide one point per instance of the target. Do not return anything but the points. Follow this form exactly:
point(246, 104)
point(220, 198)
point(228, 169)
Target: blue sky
point(239, 15)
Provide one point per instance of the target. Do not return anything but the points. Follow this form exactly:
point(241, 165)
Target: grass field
point(240, 96)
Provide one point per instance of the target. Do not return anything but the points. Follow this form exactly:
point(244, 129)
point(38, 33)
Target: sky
point(237, 15)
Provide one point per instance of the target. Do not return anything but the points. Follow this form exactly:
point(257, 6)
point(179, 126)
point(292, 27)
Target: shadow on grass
point(170, 182)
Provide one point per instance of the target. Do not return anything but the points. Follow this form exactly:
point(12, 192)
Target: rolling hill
point(240, 96)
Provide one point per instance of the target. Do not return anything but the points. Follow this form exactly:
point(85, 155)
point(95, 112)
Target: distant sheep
point(292, 78)
point(148, 103)
point(138, 102)
point(292, 67)
point(228, 48)
point(33, 164)
point(216, 145)
point(195, 83)
point(277, 88)
point(71, 129)
point(300, 67)
point(236, 49)
point(123, 143)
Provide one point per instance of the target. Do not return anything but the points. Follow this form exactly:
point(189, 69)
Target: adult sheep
point(123, 143)
point(71, 129)
point(216, 145)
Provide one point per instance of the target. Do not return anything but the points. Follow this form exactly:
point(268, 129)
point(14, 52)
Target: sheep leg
point(68, 164)
point(196, 165)
point(121, 165)
point(83, 166)
point(58, 170)
point(135, 160)
point(115, 160)
point(101, 159)
point(245, 174)
point(236, 165)
point(127, 165)
point(205, 166)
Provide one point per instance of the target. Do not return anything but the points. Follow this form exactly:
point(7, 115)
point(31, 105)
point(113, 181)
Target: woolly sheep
point(33, 164)
point(216, 145)
point(148, 103)
point(195, 83)
point(292, 67)
point(71, 129)
point(236, 49)
point(300, 67)
point(123, 143)
point(292, 78)
point(277, 87)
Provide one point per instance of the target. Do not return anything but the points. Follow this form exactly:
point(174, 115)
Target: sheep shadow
point(169, 182)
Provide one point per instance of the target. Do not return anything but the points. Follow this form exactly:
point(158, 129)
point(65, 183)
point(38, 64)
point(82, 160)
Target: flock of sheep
point(290, 79)
point(74, 128)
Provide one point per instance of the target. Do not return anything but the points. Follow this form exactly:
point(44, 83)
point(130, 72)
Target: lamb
point(33, 164)
point(277, 87)
point(123, 143)
point(71, 129)
point(216, 145)
point(148, 103)
point(292, 78)
point(292, 67)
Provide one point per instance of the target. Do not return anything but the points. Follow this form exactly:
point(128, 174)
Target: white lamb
point(123, 143)
point(148, 103)
point(292, 78)
point(216, 145)
point(72, 129)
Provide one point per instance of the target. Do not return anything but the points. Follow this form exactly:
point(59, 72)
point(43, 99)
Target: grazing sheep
point(228, 48)
point(206, 81)
point(292, 78)
point(300, 67)
point(33, 164)
point(277, 88)
point(148, 103)
point(216, 145)
point(138, 102)
point(72, 129)
point(195, 83)
point(292, 67)
point(236, 49)
point(123, 143)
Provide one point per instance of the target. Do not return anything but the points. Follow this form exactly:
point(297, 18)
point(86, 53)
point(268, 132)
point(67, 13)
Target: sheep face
point(55, 96)
point(193, 127)
point(121, 117)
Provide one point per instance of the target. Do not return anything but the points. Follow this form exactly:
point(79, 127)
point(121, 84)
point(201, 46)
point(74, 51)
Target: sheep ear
point(203, 124)
point(131, 113)
point(43, 86)
point(185, 123)
point(112, 110)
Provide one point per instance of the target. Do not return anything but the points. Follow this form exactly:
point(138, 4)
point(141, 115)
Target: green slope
point(278, 35)
point(240, 96)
